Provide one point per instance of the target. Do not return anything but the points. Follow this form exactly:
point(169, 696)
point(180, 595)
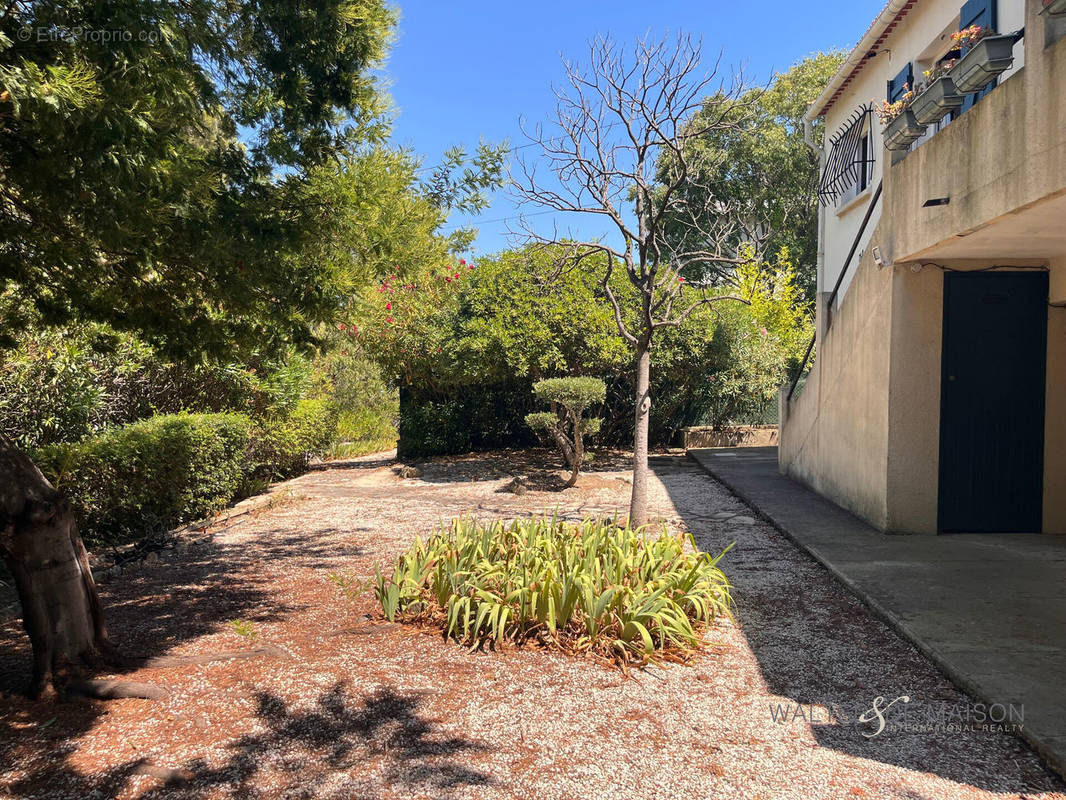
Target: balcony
point(992, 184)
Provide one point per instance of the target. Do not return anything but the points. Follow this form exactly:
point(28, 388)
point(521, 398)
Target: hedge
point(283, 446)
point(464, 419)
point(151, 475)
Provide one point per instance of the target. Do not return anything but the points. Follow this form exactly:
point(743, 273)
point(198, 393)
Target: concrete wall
point(834, 435)
point(1055, 423)
point(729, 436)
point(914, 408)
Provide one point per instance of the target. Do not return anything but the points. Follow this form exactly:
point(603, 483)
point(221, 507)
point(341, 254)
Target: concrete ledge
point(987, 609)
point(729, 436)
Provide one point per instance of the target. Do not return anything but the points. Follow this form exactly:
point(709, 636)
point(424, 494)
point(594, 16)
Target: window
point(863, 168)
point(850, 165)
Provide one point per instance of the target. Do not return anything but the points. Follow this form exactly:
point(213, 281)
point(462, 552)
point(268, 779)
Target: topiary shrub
point(599, 588)
point(283, 446)
point(567, 428)
point(150, 475)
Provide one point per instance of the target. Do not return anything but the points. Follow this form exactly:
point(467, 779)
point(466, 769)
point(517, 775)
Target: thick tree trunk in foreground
point(638, 504)
point(39, 540)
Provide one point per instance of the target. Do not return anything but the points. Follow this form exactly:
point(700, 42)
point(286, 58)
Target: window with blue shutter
point(898, 85)
point(982, 13)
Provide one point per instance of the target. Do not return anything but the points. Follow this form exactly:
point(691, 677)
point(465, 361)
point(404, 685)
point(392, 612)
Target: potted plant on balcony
point(1054, 8)
point(937, 96)
point(987, 55)
point(902, 128)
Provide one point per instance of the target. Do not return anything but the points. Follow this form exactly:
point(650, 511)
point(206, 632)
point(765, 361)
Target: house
point(937, 398)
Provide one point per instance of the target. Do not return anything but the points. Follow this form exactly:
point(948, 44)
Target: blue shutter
point(898, 85)
point(983, 13)
point(978, 12)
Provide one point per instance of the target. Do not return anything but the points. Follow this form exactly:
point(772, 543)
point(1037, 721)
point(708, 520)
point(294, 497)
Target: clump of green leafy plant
point(244, 628)
point(596, 587)
point(567, 427)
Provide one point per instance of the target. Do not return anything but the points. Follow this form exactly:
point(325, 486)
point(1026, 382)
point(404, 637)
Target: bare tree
point(616, 147)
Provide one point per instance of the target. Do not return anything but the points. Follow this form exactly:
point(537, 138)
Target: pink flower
point(340, 327)
point(388, 306)
point(680, 280)
point(764, 332)
point(457, 276)
point(388, 319)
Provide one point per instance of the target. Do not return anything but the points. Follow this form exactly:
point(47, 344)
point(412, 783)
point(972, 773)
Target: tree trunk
point(638, 504)
point(39, 540)
point(579, 449)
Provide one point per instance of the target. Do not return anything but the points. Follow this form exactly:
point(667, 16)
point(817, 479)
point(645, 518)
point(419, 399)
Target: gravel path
point(350, 707)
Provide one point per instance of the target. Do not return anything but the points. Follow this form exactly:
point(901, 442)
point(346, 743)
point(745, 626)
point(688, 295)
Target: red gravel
point(357, 708)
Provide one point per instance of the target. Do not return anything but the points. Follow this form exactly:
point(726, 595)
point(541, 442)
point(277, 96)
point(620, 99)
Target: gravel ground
point(351, 707)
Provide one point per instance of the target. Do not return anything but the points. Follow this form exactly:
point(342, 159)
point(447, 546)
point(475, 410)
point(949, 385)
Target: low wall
point(730, 436)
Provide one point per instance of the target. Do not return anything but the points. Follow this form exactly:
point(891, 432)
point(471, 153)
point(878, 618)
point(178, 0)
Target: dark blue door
point(992, 401)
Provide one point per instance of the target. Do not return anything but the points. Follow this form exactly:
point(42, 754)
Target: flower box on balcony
point(933, 104)
point(903, 131)
point(1056, 8)
point(983, 62)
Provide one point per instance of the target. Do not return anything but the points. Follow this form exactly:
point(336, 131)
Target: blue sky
point(463, 70)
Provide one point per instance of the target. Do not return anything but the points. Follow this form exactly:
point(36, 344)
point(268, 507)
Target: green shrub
point(282, 446)
point(464, 419)
point(568, 428)
point(516, 317)
point(595, 587)
point(151, 475)
point(63, 384)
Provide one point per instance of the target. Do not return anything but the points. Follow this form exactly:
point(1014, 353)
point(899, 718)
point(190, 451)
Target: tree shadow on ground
point(359, 462)
point(818, 645)
point(542, 467)
point(366, 746)
point(151, 611)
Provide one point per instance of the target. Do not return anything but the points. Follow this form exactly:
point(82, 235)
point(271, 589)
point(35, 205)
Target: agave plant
point(626, 594)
